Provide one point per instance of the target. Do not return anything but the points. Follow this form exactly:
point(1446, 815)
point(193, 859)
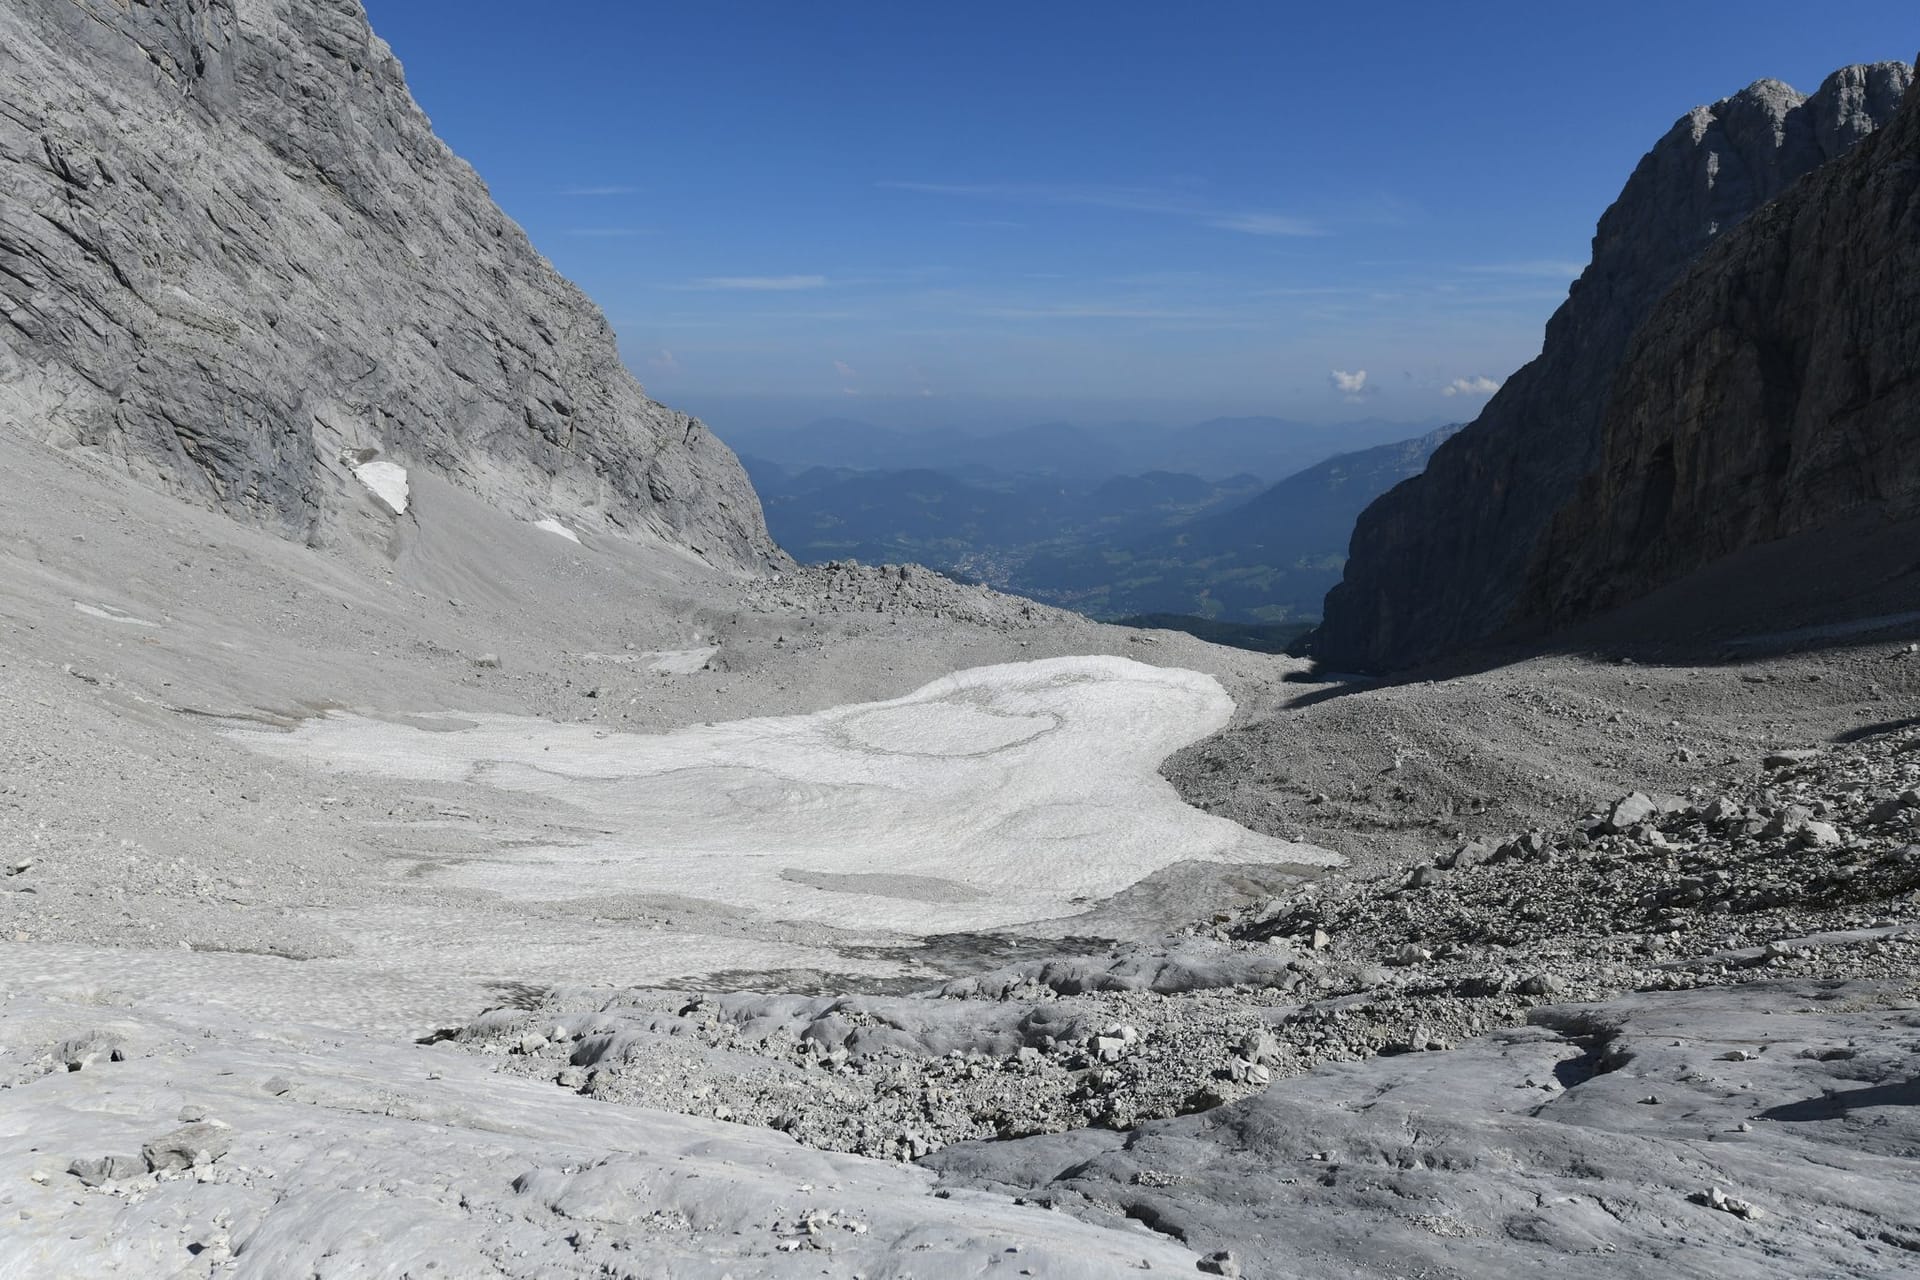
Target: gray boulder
point(188, 1146)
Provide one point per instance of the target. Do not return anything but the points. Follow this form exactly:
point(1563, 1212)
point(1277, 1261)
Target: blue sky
point(917, 213)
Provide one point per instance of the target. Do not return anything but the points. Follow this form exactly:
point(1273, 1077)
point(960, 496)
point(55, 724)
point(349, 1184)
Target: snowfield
point(993, 797)
point(387, 481)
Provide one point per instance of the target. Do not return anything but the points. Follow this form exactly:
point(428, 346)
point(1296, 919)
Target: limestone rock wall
point(234, 257)
point(1774, 391)
point(1439, 563)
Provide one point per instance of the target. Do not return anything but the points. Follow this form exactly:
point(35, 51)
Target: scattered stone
point(1221, 1262)
point(1630, 810)
point(1820, 835)
point(83, 1051)
point(1718, 1199)
point(188, 1147)
point(1723, 810)
point(99, 1170)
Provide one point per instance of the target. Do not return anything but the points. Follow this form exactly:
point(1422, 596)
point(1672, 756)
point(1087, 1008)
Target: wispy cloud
point(1265, 224)
point(758, 284)
point(795, 316)
point(1140, 199)
point(844, 369)
point(1348, 384)
point(1096, 311)
point(1477, 385)
point(598, 192)
point(1149, 200)
point(664, 362)
point(1540, 268)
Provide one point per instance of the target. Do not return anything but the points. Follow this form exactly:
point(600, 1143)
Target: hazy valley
point(1056, 525)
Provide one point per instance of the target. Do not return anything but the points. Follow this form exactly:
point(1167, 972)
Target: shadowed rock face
point(232, 251)
point(1438, 564)
point(1771, 393)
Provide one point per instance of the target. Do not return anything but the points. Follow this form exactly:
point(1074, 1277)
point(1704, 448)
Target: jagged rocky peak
point(1770, 395)
point(1437, 564)
point(235, 259)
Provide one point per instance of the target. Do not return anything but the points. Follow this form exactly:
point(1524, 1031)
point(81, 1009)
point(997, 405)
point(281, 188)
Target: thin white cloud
point(1265, 224)
point(1477, 385)
point(597, 192)
point(759, 284)
point(1101, 311)
point(796, 316)
point(844, 369)
point(1351, 384)
point(1129, 199)
point(1544, 268)
point(664, 362)
point(1139, 199)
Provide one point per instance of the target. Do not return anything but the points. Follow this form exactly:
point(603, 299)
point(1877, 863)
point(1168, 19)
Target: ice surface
point(1030, 788)
point(388, 481)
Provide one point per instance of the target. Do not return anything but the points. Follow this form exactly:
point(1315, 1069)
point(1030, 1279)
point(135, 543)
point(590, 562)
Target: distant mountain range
point(1167, 543)
point(978, 527)
point(1269, 559)
point(1218, 449)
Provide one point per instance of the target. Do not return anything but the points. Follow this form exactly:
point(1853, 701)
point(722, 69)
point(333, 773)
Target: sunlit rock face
point(236, 261)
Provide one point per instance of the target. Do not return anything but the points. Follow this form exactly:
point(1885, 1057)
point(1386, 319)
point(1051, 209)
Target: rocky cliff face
point(1771, 393)
point(235, 258)
point(1438, 563)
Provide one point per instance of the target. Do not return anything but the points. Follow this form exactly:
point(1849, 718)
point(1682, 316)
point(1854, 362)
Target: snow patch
point(112, 614)
point(387, 481)
point(551, 525)
point(1035, 785)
